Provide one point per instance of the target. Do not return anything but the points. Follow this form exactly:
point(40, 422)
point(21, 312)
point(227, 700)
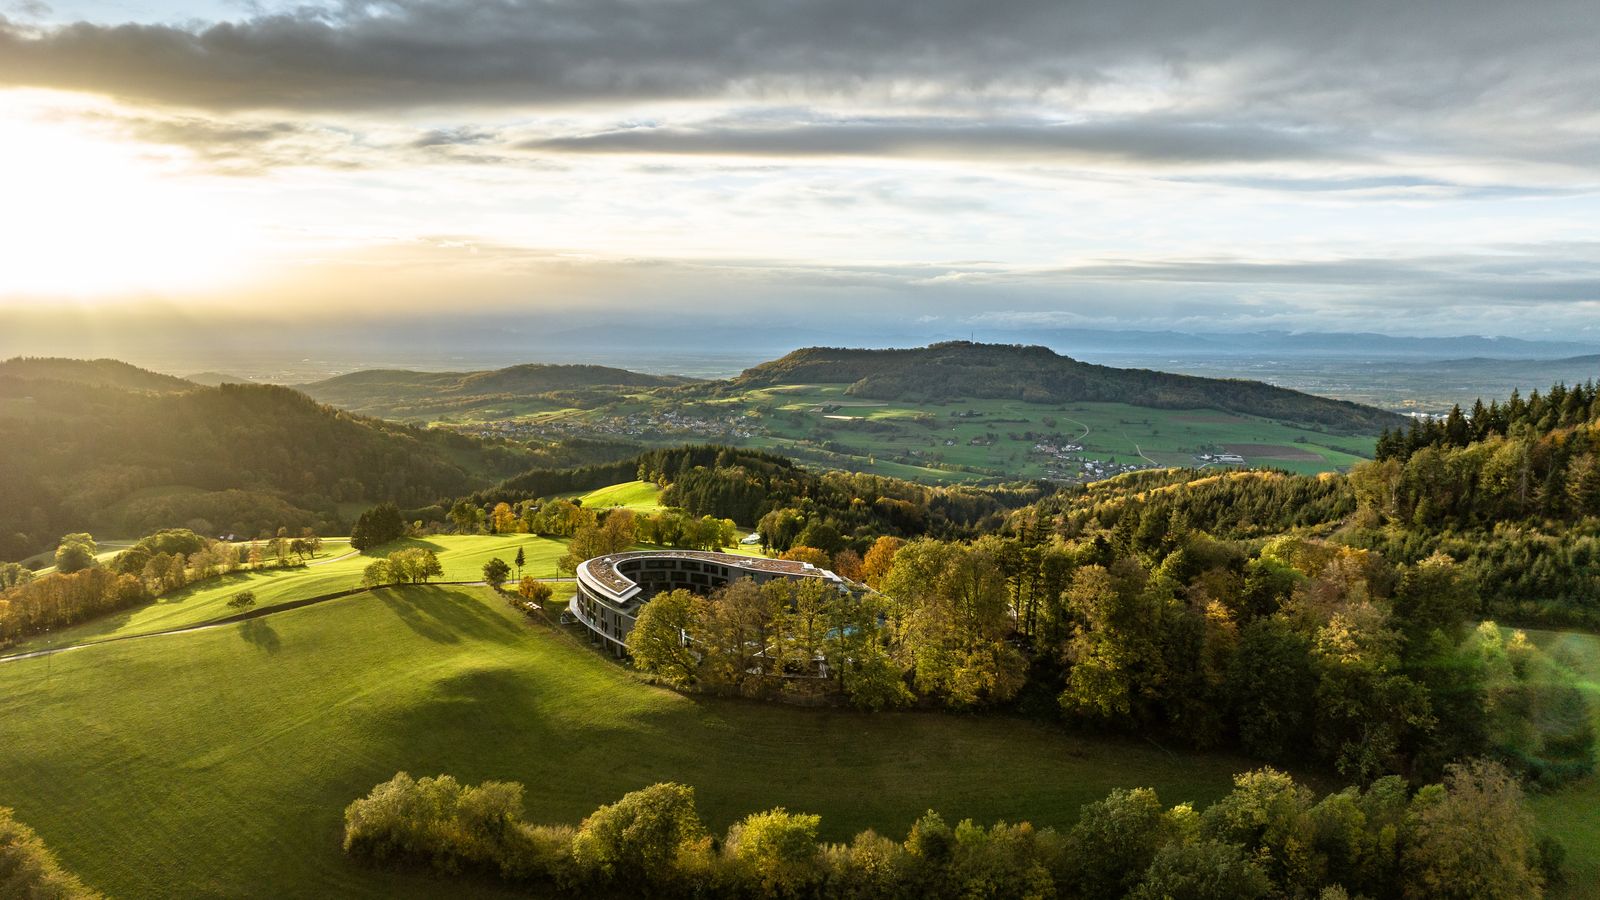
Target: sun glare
point(84, 215)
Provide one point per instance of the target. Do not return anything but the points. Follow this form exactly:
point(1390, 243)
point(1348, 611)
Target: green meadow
point(639, 496)
point(218, 762)
point(973, 439)
point(1573, 814)
point(338, 568)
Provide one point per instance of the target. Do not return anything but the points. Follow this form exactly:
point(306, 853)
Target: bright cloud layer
point(1211, 164)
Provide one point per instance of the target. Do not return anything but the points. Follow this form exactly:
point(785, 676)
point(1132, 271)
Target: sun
point(85, 215)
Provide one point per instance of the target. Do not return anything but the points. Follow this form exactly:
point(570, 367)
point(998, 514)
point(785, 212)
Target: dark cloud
point(1412, 56)
point(1143, 140)
point(453, 137)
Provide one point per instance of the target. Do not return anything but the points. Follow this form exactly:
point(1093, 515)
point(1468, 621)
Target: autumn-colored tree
point(656, 640)
point(847, 564)
point(502, 520)
point(533, 590)
point(880, 559)
point(812, 555)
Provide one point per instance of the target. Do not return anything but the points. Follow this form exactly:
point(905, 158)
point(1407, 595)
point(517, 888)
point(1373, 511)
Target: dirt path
point(1086, 429)
point(1138, 451)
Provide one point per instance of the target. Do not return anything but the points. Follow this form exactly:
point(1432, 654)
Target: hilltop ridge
point(406, 394)
point(954, 369)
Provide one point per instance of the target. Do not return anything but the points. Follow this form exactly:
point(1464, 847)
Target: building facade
point(613, 589)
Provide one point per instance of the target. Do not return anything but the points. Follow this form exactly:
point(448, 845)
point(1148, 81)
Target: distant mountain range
point(772, 337)
point(998, 371)
point(1351, 345)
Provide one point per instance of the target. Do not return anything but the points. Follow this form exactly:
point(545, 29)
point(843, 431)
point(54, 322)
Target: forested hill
point(401, 394)
point(1002, 371)
point(235, 458)
point(110, 373)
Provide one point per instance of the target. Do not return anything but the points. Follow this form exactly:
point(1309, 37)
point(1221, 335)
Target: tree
point(847, 564)
point(376, 574)
point(13, 574)
point(533, 590)
point(951, 617)
point(1204, 870)
point(1115, 840)
point(495, 572)
point(1471, 837)
point(466, 516)
point(640, 838)
point(778, 849)
point(879, 559)
point(657, 640)
point(242, 600)
point(414, 565)
point(521, 560)
point(812, 555)
point(502, 520)
point(75, 553)
point(377, 526)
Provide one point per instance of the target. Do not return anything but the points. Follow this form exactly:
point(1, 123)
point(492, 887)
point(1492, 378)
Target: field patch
point(1211, 418)
point(1273, 451)
point(639, 496)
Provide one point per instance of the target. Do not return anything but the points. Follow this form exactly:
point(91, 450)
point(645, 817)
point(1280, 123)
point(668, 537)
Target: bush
point(29, 870)
point(496, 571)
point(534, 590)
point(436, 822)
point(639, 839)
point(1469, 837)
point(778, 850)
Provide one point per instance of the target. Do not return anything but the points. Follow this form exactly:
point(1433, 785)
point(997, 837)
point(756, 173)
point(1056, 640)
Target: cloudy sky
point(1209, 165)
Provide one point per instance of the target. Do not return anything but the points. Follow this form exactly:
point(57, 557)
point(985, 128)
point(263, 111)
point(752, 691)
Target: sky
point(831, 167)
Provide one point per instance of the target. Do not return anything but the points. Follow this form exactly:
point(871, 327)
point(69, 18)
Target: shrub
point(28, 868)
point(640, 838)
point(436, 822)
point(496, 571)
point(778, 850)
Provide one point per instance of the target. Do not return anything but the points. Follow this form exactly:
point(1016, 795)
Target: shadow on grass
point(446, 616)
point(383, 551)
point(261, 634)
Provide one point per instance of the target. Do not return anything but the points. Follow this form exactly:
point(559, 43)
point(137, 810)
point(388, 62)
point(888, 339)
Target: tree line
point(1296, 651)
point(1469, 835)
point(81, 588)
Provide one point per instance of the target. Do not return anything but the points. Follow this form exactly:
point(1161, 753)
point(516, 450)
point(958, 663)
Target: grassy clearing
point(1573, 814)
point(462, 557)
point(219, 761)
point(639, 496)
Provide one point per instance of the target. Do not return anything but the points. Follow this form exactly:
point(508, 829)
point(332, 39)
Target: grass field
point(462, 557)
point(990, 434)
point(218, 762)
point(969, 440)
point(639, 496)
point(1573, 814)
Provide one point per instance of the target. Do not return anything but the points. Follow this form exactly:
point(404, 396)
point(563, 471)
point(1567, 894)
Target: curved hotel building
point(612, 589)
